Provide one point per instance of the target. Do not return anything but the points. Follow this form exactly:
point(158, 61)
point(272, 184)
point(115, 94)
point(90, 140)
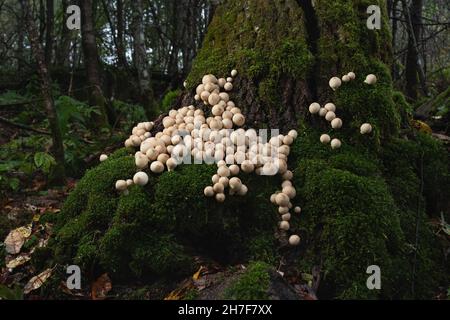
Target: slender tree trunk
point(57, 146)
point(122, 60)
point(63, 52)
point(140, 59)
point(91, 63)
point(20, 42)
point(50, 14)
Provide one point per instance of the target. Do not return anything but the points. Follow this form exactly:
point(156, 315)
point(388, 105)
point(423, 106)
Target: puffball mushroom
point(288, 175)
point(220, 197)
point(335, 143)
point(242, 190)
point(228, 86)
point(157, 167)
point(208, 191)
point(215, 178)
point(221, 82)
point(247, 166)
point(224, 180)
point(284, 225)
point(330, 106)
point(286, 217)
point(330, 116)
point(351, 75)
point(239, 119)
point(283, 210)
point(335, 83)
point(235, 183)
point(294, 240)
point(324, 138)
point(130, 182)
point(293, 134)
point(141, 161)
point(103, 157)
point(223, 171)
point(323, 112)
point(218, 187)
point(289, 191)
point(314, 107)
point(336, 123)
point(121, 185)
point(234, 169)
point(234, 73)
point(370, 79)
point(365, 128)
point(297, 209)
point(141, 178)
point(213, 99)
point(282, 199)
point(345, 78)
point(171, 164)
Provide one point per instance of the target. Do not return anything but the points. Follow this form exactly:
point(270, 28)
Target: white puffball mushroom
point(294, 240)
point(234, 73)
point(242, 190)
point(234, 169)
point(157, 167)
point(345, 78)
point(239, 119)
point(330, 116)
point(141, 178)
point(247, 166)
point(365, 128)
point(288, 175)
point(335, 143)
point(293, 134)
point(336, 123)
point(121, 185)
point(141, 161)
point(286, 217)
point(221, 82)
point(330, 106)
point(224, 180)
point(103, 157)
point(208, 191)
point(215, 178)
point(130, 182)
point(213, 99)
point(284, 225)
point(171, 164)
point(220, 197)
point(235, 183)
point(289, 191)
point(335, 83)
point(314, 107)
point(351, 75)
point(297, 209)
point(229, 79)
point(218, 187)
point(228, 86)
point(282, 199)
point(370, 79)
point(223, 171)
point(286, 183)
point(283, 210)
point(323, 112)
point(325, 138)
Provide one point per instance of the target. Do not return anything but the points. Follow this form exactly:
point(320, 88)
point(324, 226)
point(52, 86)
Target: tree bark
point(122, 60)
point(63, 52)
point(140, 59)
point(50, 14)
point(91, 63)
point(57, 141)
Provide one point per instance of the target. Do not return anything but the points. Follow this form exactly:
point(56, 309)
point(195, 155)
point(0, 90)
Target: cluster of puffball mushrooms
point(216, 136)
point(328, 111)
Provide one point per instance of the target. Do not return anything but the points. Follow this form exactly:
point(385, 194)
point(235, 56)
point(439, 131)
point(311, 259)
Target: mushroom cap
point(284, 225)
point(235, 183)
point(223, 171)
point(228, 86)
point(218, 187)
point(121, 185)
point(234, 169)
point(330, 106)
point(289, 191)
point(141, 178)
point(293, 134)
point(345, 78)
point(103, 157)
point(323, 112)
point(288, 175)
point(286, 217)
point(247, 166)
point(239, 119)
point(213, 99)
point(157, 167)
point(351, 75)
point(224, 180)
point(288, 140)
point(325, 138)
point(141, 161)
point(297, 209)
point(336, 123)
point(294, 240)
point(171, 164)
point(314, 107)
point(335, 83)
point(335, 143)
point(242, 190)
point(282, 199)
point(215, 178)
point(234, 73)
point(220, 197)
point(283, 210)
point(208, 191)
point(130, 182)
point(366, 128)
point(272, 198)
point(370, 79)
point(330, 116)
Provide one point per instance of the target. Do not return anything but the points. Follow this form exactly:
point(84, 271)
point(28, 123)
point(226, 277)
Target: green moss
point(169, 100)
point(253, 284)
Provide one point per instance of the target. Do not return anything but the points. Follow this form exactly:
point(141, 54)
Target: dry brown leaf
point(16, 238)
point(101, 287)
point(18, 261)
point(178, 293)
point(37, 281)
point(197, 275)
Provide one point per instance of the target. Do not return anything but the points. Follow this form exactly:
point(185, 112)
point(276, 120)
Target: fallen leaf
point(178, 293)
point(37, 281)
point(18, 261)
point(16, 238)
point(196, 275)
point(101, 287)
